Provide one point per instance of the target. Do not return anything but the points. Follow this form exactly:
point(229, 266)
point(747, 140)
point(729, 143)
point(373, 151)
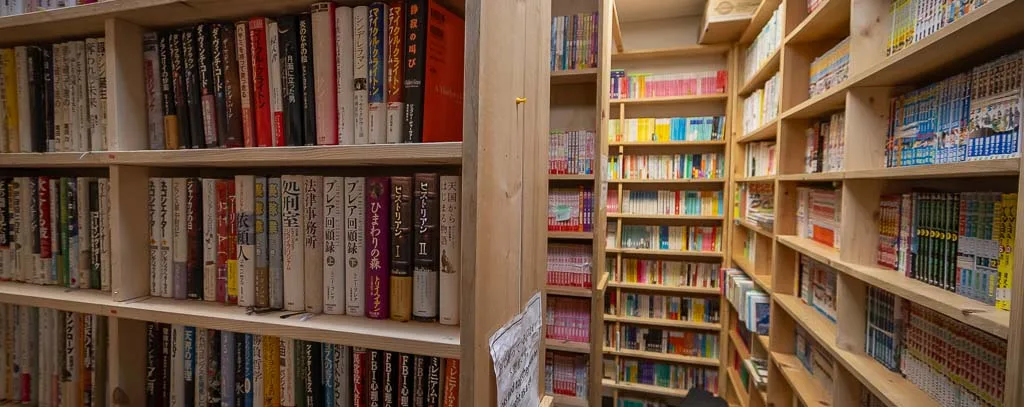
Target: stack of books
point(568, 319)
point(571, 152)
point(565, 374)
point(668, 375)
point(831, 68)
point(667, 129)
point(818, 285)
point(825, 144)
point(646, 85)
point(569, 265)
point(764, 45)
point(668, 273)
point(672, 238)
point(752, 305)
point(762, 106)
point(571, 209)
point(693, 203)
point(574, 41)
point(670, 308)
point(817, 214)
point(759, 159)
point(666, 166)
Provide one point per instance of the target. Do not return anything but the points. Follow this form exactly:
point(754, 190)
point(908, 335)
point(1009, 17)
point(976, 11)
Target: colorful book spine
point(334, 245)
point(360, 15)
point(355, 248)
point(395, 69)
point(451, 383)
point(450, 192)
point(207, 93)
point(165, 199)
point(376, 70)
point(245, 83)
point(426, 270)
point(401, 280)
point(413, 75)
point(223, 238)
point(274, 242)
point(167, 96)
point(190, 56)
point(378, 210)
point(260, 90)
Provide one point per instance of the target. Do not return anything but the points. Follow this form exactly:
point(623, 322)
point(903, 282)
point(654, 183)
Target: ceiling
point(643, 10)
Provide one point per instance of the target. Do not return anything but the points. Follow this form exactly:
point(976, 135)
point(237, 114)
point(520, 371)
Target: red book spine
point(358, 377)
point(378, 211)
point(245, 82)
point(260, 83)
point(223, 240)
point(451, 383)
point(442, 103)
point(232, 234)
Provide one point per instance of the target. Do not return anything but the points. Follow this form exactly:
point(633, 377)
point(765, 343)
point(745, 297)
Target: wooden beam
point(616, 28)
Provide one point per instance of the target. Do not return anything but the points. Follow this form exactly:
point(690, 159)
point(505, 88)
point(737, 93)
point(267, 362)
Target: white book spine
point(334, 245)
point(177, 378)
point(244, 202)
point(343, 63)
point(209, 239)
point(293, 245)
point(166, 211)
point(99, 69)
point(324, 71)
point(80, 83)
point(287, 366)
point(93, 88)
point(24, 112)
point(84, 233)
point(104, 188)
point(154, 236)
point(276, 93)
point(312, 214)
point(395, 119)
point(450, 242)
point(202, 342)
point(65, 97)
point(257, 371)
point(355, 256)
point(179, 247)
point(359, 75)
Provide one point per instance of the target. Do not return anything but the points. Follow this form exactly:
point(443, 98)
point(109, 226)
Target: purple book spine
point(378, 209)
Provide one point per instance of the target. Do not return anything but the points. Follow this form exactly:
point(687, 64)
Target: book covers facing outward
point(387, 73)
point(751, 303)
point(248, 369)
point(384, 247)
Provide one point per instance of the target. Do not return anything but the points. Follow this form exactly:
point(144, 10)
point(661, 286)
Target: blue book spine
point(227, 369)
point(328, 376)
point(376, 55)
point(248, 370)
point(190, 366)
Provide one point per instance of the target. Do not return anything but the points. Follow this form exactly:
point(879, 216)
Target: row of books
point(768, 40)
point(186, 365)
point(666, 166)
point(664, 341)
point(630, 401)
point(752, 305)
point(646, 85)
point(762, 106)
point(962, 242)
point(571, 209)
point(817, 214)
point(571, 152)
point(383, 73)
point(672, 238)
point(574, 41)
point(50, 357)
point(319, 244)
point(55, 230)
point(759, 159)
point(914, 20)
point(15, 7)
point(971, 116)
point(818, 362)
point(672, 308)
point(757, 369)
point(884, 319)
point(668, 273)
point(756, 204)
point(668, 375)
point(666, 129)
point(569, 265)
point(825, 144)
point(831, 68)
point(566, 374)
point(567, 319)
point(54, 98)
point(818, 284)
point(688, 203)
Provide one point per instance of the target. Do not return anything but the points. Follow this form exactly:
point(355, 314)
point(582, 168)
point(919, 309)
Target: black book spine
point(415, 59)
point(376, 379)
point(291, 80)
point(207, 95)
point(48, 96)
point(232, 135)
point(390, 376)
point(301, 365)
point(192, 90)
point(419, 380)
point(190, 367)
point(426, 271)
point(308, 80)
point(165, 364)
point(217, 68)
point(34, 59)
point(406, 378)
point(153, 347)
point(433, 390)
point(194, 228)
point(313, 375)
point(239, 369)
point(168, 101)
point(213, 369)
point(180, 98)
point(401, 251)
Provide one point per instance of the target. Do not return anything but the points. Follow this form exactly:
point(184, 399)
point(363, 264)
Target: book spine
point(36, 114)
point(377, 22)
point(91, 96)
point(260, 81)
point(166, 365)
point(49, 101)
point(401, 242)
point(425, 272)
point(155, 233)
point(223, 236)
point(271, 371)
point(274, 75)
point(189, 365)
point(227, 369)
point(168, 99)
point(213, 368)
point(451, 383)
point(243, 369)
point(190, 54)
point(334, 235)
point(291, 79)
point(378, 209)
point(389, 387)
point(167, 227)
point(451, 249)
point(194, 216)
point(218, 106)
point(105, 265)
point(254, 358)
point(432, 395)
point(342, 376)
point(395, 69)
point(312, 214)
point(83, 265)
point(375, 377)
point(274, 243)
point(355, 249)
point(233, 134)
point(207, 91)
point(413, 75)
point(359, 377)
point(151, 57)
point(326, 95)
point(24, 106)
point(46, 228)
point(306, 68)
point(200, 388)
point(179, 244)
point(443, 72)
point(232, 230)
point(181, 108)
point(287, 366)
point(245, 83)
point(314, 372)
point(294, 244)
point(152, 364)
point(360, 101)
point(245, 216)
point(343, 63)
point(262, 273)
point(210, 244)
point(10, 76)
point(95, 236)
point(406, 380)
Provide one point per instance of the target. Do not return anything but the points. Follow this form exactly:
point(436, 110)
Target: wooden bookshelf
point(587, 75)
point(671, 99)
point(672, 52)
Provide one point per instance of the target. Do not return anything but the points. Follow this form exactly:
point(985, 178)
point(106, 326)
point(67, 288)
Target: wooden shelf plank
point(616, 215)
point(77, 21)
point(668, 357)
point(664, 253)
point(830, 21)
point(737, 342)
point(560, 400)
point(546, 401)
point(817, 251)
point(570, 235)
point(828, 101)
point(755, 228)
point(757, 22)
point(568, 291)
point(570, 177)
point(768, 131)
point(737, 385)
point(55, 160)
point(671, 99)
point(603, 284)
point(566, 346)
point(666, 289)
point(616, 28)
point(805, 386)
point(820, 176)
point(986, 168)
point(769, 68)
point(668, 181)
point(586, 75)
point(644, 388)
point(759, 178)
point(762, 280)
point(764, 340)
point(663, 322)
point(673, 52)
point(659, 144)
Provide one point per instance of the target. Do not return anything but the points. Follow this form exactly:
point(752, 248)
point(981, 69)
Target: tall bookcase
point(501, 172)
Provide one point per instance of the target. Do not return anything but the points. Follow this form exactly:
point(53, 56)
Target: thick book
point(245, 200)
point(395, 69)
point(36, 90)
point(313, 374)
point(153, 346)
point(413, 75)
point(313, 262)
point(151, 59)
point(287, 367)
point(376, 65)
point(165, 210)
point(375, 379)
point(260, 81)
point(274, 77)
point(207, 91)
point(342, 376)
point(24, 108)
point(209, 277)
point(271, 371)
point(334, 245)
point(378, 211)
point(232, 131)
point(201, 388)
point(294, 246)
point(49, 100)
point(95, 235)
point(443, 75)
point(10, 89)
point(355, 248)
point(325, 73)
point(360, 359)
point(84, 232)
point(219, 81)
point(190, 55)
point(262, 260)
point(406, 380)
point(291, 79)
point(166, 364)
point(189, 365)
point(344, 51)
point(450, 256)
point(98, 94)
point(178, 90)
point(274, 243)
point(46, 228)
point(179, 246)
point(402, 244)
point(306, 69)
point(451, 383)
point(360, 100)
point(194, 266)
point(245, 84)
point(426, 270)
point(327, 355)
point(300, 374)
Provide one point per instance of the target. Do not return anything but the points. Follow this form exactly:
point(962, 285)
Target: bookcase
point(501, 169)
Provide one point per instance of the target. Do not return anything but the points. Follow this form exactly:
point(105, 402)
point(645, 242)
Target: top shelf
point(674, 52)
point(830, 21)
point(761, 17)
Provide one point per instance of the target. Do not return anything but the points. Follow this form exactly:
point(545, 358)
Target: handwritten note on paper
point(515, 351)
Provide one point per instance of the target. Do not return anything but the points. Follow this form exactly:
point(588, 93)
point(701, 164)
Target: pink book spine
point(378, 209)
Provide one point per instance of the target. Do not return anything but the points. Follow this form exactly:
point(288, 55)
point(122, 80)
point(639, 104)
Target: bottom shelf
point(559, 400)
point(644, 388)
point(806, 388)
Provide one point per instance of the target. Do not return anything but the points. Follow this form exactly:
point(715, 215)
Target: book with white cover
point(167, 226)
point(209, 187)
point(312, 214)
point(334, 245)
point(245, 201)
point(343, 63)
point(294, 246)
point(257, 372)
point(97, 76)
point(361, 92)
point(84, 233)
point(81, 100)
point(450, 192)
point(104, 233)
point(276, 92)
point(355, 249)
point(179, 248)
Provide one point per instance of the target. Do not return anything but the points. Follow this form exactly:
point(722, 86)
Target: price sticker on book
point(515, 349)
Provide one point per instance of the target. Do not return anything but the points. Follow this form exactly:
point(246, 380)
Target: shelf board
point(737, 342)
point(666, 289)
point(754, 227)
point(665, 253)
point(546, 401)
point(416, 337)
point(668, 181)
point(671, 99)
point(673, 52)
point(603, 284)
point(570, 235)
point(805, 386)
point(560, 400)
point(616, 215)
point(77, 21)
point(759, 178)
point(764, 340)
point(586, 75)
point(56, 160)
point(757, 22)
point(986, 168)
point(819, 176)
point(888, 386)
point(568, 291)
point(830, 21)
point(668, 357)
point(695, 143)
point(644, 388)
point(829, 100)
point(663, 322)
point(743, 263)
point(570, 177)
point(767, 69)
point(737, 385)
point(766, 132)
point(817, 251)
point(763, 281)
point(566, 346)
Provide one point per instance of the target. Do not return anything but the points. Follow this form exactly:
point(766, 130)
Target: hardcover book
point(293, 235)
point(413, 75)
point(262, 260)
point(274, 242)
point(260, 91)
point(334, 245)
point(194, 265)
point(287, 367)
point(306, 67)
point(233, 133)
point(210, 243)
point(207, 92)
point(312, 214)
point(190, 61)
point(151, 70)
point(181, 108)
point(291, 79)
point(402, 243)
point(395, 69)
point(245, 217)
point(376, 65)
point(378, 210)
point(425, 271)
point(325, 71)
point(355, 249)
point(245, 83)
point(451, 249)
point(360, 101)
point(165, 200)
point(375, 379)
point(179, 246)
point(443, 80)
point(274, 75)
point(344, 64)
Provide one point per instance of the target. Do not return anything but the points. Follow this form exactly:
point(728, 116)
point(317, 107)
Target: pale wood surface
point(546, 401)
point(830, 21)
point(671, 99)
point(724, 30)
point(754, 228)
point(1014, 394)
point(567, 346)
point(672, 52)
point(763, 133)
point(645, 388)
point(737, 386)
point(568, 291)
point(663, 322)
point(806, 387)
point(757, 22)
point(560, 400)
point(571, 235)
point(668, 357)
point(587, 75)
point(759, 178)
point(762, 74)
point(665, 288)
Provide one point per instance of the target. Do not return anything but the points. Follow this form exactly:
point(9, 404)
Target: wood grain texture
point(806, 388)
point(1014, 394)
point(673, 52)
point(129, 232)
point(830, 21)
point(665, 289)
point(126, 361)
point(767, 69)
point(126, 97)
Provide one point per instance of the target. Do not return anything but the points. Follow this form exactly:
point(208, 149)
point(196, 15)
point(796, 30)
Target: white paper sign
point(515, 351)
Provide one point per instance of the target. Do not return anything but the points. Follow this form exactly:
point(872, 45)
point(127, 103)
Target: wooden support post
point(126, 97)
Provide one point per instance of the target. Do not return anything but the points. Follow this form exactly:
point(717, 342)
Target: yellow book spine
point(271, 371)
